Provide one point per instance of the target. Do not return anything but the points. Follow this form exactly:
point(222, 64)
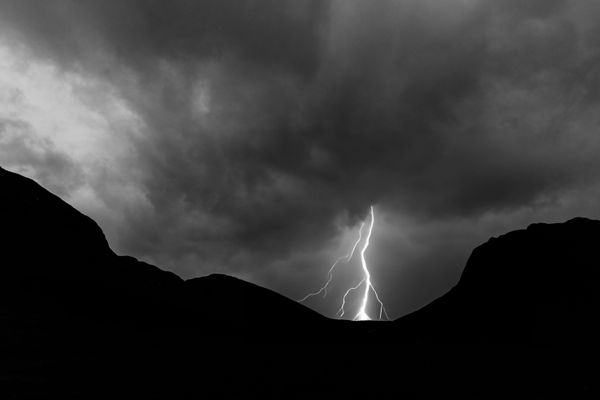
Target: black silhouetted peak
point(244, 304)
point(70, 307)
point(535, 285)
point(39, 226)
point(550, 253)
point(57, 265)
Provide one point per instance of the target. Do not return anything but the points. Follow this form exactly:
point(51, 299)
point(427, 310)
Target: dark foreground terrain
point(78, 321)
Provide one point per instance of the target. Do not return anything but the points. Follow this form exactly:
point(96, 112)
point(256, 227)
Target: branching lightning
point(347, 257)
point(362, 314)
point(341, 311)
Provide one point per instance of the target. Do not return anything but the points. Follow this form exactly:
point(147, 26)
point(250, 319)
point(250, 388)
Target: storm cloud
point(259, 132)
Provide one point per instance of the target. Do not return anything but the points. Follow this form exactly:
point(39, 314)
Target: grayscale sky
point(251, 137)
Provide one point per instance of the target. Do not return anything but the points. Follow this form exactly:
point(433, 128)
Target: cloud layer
point(251, 137)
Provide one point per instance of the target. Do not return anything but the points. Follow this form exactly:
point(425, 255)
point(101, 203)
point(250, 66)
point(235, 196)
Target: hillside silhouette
point(57, 265)
point(536, 286)
point(79, 320)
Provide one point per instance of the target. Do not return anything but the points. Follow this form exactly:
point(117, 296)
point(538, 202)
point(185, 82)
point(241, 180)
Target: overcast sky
point(251, 137)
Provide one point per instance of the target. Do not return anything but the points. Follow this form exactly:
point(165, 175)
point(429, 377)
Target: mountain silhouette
point(535, 286)
point(57, 265)
point(79, 320)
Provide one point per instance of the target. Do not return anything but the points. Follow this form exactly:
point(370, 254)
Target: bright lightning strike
point(347, 257)
point(362, 314)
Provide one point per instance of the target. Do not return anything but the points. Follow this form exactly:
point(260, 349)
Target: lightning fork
point(346, 257)
point(341, 311)
point(362, 314)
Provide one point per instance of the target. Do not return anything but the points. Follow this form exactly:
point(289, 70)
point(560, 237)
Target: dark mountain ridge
point(532, 286)
point(55, 255)
point(67, 300)
point(536, 285)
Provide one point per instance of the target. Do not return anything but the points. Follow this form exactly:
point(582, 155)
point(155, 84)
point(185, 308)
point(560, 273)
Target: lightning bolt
point(341, 311)
point(347, 257)
point(362, 314)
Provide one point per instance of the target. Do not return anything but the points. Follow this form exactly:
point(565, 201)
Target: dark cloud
point(270, 126)
point(273, 33)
